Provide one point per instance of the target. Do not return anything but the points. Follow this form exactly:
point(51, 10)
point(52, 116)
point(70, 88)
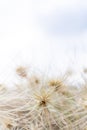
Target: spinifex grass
point(42, 104)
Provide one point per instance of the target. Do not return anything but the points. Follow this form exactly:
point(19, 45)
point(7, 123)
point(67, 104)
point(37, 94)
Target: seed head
point(22, 71)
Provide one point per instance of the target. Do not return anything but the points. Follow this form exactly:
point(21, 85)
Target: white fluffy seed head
point(42, 104)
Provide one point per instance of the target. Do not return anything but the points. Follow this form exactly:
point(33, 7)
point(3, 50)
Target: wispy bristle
point(39, 104)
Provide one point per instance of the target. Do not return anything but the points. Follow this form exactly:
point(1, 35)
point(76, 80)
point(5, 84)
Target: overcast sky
point(43, 33)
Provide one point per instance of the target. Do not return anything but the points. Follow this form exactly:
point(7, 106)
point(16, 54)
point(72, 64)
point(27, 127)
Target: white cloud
point(63, 16)
point(48, 6)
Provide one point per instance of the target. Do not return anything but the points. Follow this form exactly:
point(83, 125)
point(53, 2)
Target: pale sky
point(43, 33)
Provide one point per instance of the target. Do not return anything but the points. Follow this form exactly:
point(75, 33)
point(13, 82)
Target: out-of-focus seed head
point(22, 71)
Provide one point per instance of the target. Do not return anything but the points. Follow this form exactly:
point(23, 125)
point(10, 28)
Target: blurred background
point(50, 35)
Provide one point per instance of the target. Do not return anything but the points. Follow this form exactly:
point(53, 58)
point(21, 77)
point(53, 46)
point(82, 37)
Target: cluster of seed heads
point(39, 103)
